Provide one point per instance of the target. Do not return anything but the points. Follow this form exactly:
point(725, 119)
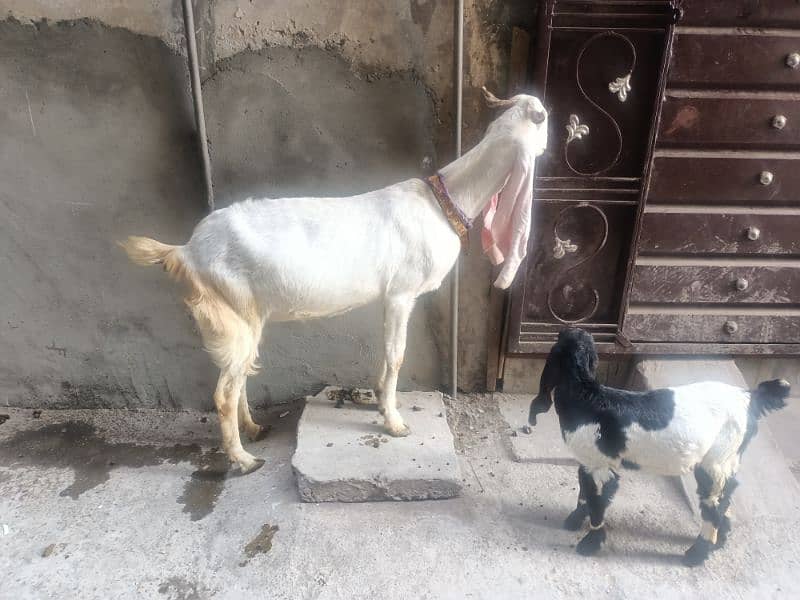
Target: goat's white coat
point(708, 427)
point(297, 258)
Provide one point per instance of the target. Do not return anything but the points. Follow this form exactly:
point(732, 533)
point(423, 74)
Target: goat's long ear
point(544, 399)
point(493, 100)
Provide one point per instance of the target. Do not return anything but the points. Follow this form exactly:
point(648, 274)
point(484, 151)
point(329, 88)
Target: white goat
point(298, 258)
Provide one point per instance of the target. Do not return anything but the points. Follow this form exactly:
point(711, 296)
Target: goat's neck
point(474, 178)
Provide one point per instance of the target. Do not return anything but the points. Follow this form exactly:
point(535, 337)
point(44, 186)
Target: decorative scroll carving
point(569, 290)
point(575, 129)
point(620, 86)
point(561, 248)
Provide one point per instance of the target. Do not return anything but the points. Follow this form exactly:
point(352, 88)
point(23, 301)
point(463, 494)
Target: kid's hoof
point(576, 518)
point(253, 466)
point(591, 542)
point(698, 553)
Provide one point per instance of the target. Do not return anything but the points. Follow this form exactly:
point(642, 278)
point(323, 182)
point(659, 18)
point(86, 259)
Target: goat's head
point(573, 356)
point(528, 107)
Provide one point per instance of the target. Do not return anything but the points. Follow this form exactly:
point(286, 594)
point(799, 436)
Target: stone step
point(344, 455)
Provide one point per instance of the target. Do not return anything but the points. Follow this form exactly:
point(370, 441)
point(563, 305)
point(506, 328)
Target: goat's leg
point(398, 310)
point(251, 428)
point(601, 485)
point(711, 482)
point(226, 399)
point(576, 518)
point(381, 386)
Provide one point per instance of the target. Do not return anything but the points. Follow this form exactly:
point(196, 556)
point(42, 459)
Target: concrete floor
point(111, 504)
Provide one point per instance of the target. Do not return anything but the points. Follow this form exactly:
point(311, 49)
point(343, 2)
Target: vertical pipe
point(197, 97)
point(459, 76)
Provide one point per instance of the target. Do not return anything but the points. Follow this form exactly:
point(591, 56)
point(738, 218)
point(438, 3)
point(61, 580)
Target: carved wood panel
point(600, 73)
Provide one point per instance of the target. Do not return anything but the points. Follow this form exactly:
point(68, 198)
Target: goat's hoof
point(575, 519)
point(698, 553)
point(251, 467)
point(401, 431)
point(381, 409)
point(591, 542)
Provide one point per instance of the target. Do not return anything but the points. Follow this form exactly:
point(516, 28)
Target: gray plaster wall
point(96, 143)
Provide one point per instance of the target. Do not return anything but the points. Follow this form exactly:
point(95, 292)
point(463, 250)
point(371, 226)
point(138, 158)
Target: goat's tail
point(145, 251)
point(769, 396)
point(229, 322)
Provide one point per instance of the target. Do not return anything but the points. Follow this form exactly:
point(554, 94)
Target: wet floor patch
point(77, 446)
point(178, 588)
point(261, 544)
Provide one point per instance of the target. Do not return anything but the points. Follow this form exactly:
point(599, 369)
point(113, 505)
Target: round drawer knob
point(793, 60)
point(753, 233)
point(742, 284)
point(778, 121)
point(766, 177)
point(730, 327)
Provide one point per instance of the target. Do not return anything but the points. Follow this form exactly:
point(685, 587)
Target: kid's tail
point(769, 396)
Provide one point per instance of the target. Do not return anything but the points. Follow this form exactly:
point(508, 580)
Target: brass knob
point(731, 327)
point(793, 60)
point(766, 177)
point(753, 233)
point(779, 121)
point(742, 284)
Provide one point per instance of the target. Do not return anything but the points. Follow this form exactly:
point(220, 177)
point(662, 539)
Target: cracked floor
point(121, 504)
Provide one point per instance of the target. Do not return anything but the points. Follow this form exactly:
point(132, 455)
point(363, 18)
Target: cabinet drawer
point(713, 233)
point(723, 178)
point(734, 60)
point(734, 327)
point(730, 122)
point(716, 284)
point(742, 13)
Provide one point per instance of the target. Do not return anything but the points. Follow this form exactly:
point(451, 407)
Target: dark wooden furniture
point(670, 223)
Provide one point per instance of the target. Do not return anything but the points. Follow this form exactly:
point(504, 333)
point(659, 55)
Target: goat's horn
point(493, 100)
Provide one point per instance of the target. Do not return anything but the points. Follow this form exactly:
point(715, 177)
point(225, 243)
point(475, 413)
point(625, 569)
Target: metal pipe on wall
point(459, 77)
point(197, 97)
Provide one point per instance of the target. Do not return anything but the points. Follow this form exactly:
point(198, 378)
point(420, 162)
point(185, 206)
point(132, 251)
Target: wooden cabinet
point(667, 206)
point(717, 259)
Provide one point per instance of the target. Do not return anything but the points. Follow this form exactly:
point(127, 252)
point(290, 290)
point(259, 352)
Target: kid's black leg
point(725, 504)
point(576, 518)
point(600, 489)
point(710, 485)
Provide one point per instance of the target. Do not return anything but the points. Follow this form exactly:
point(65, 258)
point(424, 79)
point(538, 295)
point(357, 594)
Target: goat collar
point(460, 223)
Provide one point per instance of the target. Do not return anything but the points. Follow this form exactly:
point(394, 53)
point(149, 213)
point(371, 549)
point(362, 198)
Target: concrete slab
point(768, 487)
point(543, 443)
point(344, 455)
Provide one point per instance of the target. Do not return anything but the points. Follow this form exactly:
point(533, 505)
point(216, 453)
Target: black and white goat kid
point(702, 426)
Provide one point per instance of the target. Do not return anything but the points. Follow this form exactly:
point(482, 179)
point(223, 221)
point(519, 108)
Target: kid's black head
point(572, 357)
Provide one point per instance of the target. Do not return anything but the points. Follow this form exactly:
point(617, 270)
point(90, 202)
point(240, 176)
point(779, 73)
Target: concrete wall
point(327, 97)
